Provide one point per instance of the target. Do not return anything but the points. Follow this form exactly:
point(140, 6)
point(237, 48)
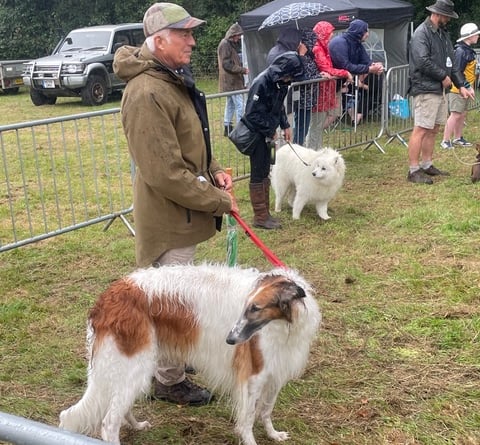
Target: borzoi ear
point(288, 297)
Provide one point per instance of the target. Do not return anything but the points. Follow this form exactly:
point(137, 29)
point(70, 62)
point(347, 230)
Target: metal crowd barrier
point(399, 106)
point(62, 174)
point(331, 113)
point(21, 431)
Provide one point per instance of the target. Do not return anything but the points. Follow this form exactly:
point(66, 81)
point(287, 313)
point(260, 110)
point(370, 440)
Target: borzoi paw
point(143, 426)
point(135, 424)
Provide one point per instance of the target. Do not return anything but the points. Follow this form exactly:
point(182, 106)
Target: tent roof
point(374, 12)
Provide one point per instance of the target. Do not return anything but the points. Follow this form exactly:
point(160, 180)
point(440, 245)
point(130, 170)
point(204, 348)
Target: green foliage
point(32, 28)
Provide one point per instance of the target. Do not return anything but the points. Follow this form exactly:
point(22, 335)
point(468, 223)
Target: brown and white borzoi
point(248, 333)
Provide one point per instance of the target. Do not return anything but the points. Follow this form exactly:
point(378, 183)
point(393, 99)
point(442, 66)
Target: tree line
point(32, 28)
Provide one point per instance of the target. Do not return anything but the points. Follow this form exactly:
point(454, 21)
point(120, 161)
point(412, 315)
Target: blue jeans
point(301, 123)
point(234, 105)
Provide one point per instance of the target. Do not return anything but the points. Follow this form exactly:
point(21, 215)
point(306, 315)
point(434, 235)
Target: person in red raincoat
point(328, 102)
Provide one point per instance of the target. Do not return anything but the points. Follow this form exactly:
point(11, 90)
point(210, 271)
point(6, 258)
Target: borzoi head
point(273, 298)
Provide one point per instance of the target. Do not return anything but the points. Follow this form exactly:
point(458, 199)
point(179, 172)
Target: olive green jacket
point(175, 200)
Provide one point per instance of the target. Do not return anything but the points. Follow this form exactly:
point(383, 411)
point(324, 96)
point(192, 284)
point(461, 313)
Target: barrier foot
point(379, 147)
point(124, 221)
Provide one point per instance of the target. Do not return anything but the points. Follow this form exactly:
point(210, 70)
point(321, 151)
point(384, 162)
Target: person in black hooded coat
point(264, 113)
point(289, 39)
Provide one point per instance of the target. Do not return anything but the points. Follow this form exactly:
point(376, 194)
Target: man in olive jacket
point(230, 75)
point(180, 191)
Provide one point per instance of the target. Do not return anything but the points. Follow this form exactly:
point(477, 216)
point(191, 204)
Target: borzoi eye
point(254, 308)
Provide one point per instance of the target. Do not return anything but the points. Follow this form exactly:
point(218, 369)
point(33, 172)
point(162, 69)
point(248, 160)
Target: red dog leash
point(256, 240)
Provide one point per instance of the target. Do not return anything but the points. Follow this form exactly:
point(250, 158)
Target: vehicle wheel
point(11, 90)
point(95, 92)
point(39, 98)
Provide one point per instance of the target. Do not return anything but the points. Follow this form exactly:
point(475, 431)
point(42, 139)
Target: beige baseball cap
point(168, 15)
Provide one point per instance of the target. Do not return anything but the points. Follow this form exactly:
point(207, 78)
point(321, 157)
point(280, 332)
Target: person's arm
point(325, 65)
point(158, 155)
point(339, 54)
point(425, 61)
point(258, 110)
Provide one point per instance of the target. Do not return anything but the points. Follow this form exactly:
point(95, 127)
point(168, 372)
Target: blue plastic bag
point(399, 108)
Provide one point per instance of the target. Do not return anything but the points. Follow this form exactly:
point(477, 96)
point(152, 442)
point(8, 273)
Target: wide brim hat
point(443, 7)
point(468, 30)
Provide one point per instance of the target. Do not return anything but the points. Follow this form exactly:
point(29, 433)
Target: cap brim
point(452, 15)
point(188, 23)
point(466, 37)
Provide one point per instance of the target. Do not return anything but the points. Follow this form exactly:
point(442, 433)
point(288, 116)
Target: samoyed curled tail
point(304, 176)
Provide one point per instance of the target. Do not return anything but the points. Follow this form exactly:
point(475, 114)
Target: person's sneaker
point(183, 393)
point(419, 177)
point(447, 145)
point(434, 171)
point(461, 142)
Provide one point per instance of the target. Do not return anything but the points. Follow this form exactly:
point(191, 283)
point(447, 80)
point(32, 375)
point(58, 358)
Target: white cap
point(468, 30)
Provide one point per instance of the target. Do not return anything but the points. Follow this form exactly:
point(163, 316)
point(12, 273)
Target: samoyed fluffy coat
point(305, 176)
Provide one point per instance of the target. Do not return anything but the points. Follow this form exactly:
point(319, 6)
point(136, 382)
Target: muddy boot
point(266, 187)
point(260, 212)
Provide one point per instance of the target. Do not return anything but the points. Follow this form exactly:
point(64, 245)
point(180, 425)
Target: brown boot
point(266, 187)
point(260, 212)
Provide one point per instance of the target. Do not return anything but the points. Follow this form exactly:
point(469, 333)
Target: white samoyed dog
point(303, 176)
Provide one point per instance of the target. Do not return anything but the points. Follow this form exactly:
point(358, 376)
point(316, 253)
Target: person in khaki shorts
point(466, 60)
point(431, 74)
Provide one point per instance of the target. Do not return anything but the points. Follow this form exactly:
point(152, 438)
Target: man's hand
point(223, 181)
point(447, 82)
point(287, 134)
point(376, 68)
point(467, 93)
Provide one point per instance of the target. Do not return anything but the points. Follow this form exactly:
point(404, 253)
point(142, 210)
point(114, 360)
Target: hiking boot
point(419, 177)
point(183, 393)
point(434, 171)
point(461, 142)
point(447, 145)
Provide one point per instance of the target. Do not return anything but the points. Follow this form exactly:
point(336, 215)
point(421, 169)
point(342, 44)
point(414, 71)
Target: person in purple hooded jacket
point(348, 53)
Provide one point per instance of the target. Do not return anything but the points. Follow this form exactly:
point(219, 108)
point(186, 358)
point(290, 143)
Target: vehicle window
point(84, 40)
point(138, 37)
point(121, 38)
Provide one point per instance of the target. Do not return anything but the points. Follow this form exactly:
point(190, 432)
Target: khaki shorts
point(457, 103)
point(430, 110)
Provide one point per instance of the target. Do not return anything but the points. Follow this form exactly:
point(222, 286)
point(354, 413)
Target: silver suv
point(81, 65)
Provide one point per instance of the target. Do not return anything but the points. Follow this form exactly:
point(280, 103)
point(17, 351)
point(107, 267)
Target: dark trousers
point(260, 162)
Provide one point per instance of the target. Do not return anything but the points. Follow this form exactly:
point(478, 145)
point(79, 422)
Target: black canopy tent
point(388, 19)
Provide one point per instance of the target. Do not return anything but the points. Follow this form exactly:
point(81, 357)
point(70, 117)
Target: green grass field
point(397, 276)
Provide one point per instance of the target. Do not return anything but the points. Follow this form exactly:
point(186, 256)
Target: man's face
point(365, 36)
point(236, 38)
point(175, 47)
point(443, 20)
